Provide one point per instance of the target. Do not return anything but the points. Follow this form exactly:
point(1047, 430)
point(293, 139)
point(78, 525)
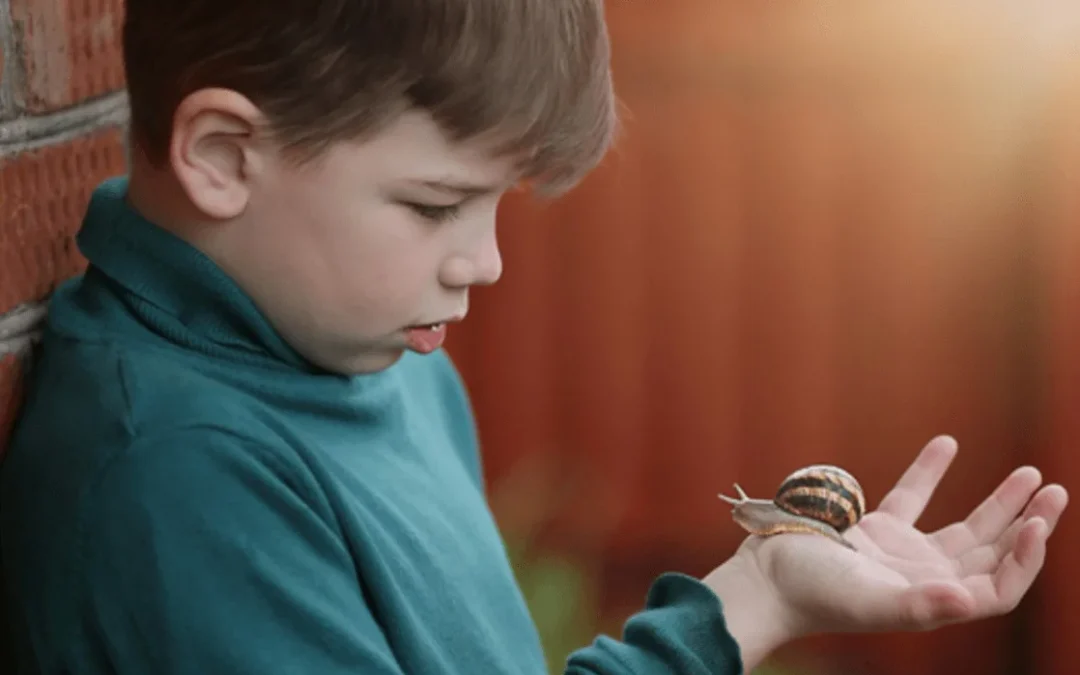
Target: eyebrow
point(459, 188)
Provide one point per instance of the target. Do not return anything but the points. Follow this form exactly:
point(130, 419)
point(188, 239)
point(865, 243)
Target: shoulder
point(99, 414)
point(230, 495)
point(199, 471)
point(91, 398)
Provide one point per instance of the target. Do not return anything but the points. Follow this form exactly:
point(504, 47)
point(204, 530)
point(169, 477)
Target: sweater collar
point(177, 289)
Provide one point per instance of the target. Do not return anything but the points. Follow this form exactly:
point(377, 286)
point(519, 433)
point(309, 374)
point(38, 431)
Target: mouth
point(428, 337)
point(429, 326)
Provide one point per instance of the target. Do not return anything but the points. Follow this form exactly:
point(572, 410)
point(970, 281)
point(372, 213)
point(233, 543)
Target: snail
point(819, 499)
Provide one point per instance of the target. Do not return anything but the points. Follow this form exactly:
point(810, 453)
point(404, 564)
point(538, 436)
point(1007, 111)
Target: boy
point(244, 451)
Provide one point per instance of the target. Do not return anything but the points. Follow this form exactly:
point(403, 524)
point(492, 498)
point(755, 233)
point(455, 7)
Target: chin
point(369, 364)
point(352, 363)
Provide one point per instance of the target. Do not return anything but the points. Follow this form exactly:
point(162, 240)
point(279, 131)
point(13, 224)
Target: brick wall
point(62, 112)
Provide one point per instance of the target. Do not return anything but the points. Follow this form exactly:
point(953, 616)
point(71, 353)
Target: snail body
point(819, 499)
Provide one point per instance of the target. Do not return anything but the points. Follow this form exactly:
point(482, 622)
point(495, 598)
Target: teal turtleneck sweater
point(184, 495)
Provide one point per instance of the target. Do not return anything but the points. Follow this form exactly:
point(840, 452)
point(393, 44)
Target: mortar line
point(23, 318)
point(31, 133)
point(21, 328)
point(10, 75)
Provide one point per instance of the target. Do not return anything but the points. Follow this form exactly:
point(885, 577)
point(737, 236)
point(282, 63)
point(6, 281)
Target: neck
point(156, 195)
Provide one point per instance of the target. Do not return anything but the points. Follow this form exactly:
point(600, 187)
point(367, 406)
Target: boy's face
point(355, 256)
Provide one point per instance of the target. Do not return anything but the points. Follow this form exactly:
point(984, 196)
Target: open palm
point(904, 579)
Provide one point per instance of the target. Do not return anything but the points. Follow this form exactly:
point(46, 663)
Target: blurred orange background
point(829, 232)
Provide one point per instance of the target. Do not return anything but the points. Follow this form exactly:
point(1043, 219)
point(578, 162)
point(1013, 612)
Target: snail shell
point(819, 499)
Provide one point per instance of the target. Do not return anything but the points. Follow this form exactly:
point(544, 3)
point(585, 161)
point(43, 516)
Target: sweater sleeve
point(201, 554)
point(681, 631)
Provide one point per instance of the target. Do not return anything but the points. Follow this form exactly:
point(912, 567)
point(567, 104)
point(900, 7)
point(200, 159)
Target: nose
point(480, 267)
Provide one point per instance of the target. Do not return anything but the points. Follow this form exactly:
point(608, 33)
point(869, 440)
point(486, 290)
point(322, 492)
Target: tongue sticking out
point(426, 339)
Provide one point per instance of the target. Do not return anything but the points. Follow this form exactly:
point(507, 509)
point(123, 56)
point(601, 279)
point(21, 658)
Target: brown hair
point(533, 72)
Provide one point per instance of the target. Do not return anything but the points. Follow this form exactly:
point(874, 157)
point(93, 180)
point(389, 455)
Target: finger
point(933, 604)
point(1048, 504)
point(1001, 591)
point(866, 598)
point(990, 518)
point(907, 500)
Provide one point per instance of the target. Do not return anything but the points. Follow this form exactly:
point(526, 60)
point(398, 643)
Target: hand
point(899, 578)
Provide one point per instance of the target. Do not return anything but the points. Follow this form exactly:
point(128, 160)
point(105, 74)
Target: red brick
point(43, 197)
point(71, 50)
point(10, 396)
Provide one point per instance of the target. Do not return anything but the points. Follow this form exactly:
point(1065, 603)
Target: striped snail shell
point(823, 492)
point(819, 499)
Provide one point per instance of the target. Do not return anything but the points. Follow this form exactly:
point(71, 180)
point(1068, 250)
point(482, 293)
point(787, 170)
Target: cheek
point(348, 251)
point(373, 261)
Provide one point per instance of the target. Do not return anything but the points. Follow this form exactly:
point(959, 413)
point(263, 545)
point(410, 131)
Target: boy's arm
point(202, 555)
point(724, 625)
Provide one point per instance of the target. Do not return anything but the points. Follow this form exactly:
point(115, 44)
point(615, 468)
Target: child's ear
point(213, 149)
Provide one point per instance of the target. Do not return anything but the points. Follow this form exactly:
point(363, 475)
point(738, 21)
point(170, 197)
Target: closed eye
point(435, 213)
